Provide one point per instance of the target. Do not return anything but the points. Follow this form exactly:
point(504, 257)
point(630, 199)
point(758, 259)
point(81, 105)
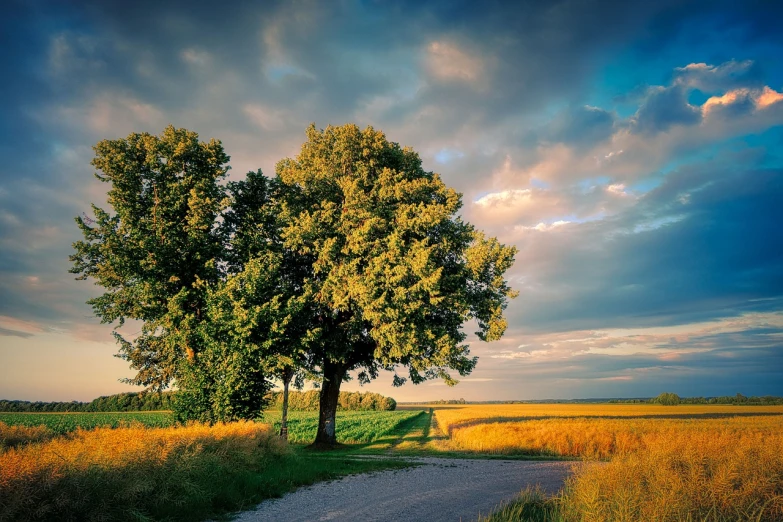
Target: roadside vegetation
point(140, 473)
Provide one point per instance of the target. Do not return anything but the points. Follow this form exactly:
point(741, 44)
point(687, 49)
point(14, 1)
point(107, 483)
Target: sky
point(632, 151)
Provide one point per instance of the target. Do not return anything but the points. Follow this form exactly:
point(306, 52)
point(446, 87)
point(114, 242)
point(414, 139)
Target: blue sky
point(632, 151)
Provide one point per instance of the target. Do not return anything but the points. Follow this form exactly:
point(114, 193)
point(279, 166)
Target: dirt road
point(437, 490)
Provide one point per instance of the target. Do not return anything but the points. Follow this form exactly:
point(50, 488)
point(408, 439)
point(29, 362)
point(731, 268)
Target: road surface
point(437, 490)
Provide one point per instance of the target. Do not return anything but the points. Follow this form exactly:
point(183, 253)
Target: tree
point(392, 271)
point(667, 399)
point(158, 252)
point(251, 229)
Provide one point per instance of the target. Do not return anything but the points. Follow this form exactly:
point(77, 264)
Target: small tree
point(667, 399)
point(392, 271)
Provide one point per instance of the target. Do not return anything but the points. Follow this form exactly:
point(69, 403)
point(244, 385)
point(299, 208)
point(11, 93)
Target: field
point(664, 463)
point(141, 467)
point(352, 426)
point(654, 462)
point(61, 423)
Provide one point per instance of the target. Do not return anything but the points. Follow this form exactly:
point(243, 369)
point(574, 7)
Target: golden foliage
point(11, 436)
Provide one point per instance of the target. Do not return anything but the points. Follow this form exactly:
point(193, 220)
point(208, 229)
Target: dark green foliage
point(667, 399)
point(141, 401)
point(532, 505)
point(159, 257)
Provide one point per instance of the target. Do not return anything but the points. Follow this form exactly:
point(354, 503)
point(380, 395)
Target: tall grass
point(718, 476)
point(12, 436)
point(596, 438)
point(136, 473)
point(451, 417)
point(660, 467)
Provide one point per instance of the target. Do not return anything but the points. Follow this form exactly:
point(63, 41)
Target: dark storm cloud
point(664, 107)
point(703, 245)
point(581, 126)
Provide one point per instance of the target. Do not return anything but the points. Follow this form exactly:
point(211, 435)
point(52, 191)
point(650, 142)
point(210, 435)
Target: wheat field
point(716, 463)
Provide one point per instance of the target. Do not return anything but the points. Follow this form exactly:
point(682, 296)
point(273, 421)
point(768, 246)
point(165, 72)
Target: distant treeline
point(672, 399)
point(297, 401)
point(121, 402)
point(356, 401)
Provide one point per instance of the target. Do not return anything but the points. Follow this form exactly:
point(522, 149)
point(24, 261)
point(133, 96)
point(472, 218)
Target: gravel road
point(437, 490)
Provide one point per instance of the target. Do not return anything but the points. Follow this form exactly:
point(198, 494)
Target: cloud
point(504, 198)
point(711, 78)
point(447, 61)
point(665, 107)
point(633, 204)
point(583, 126)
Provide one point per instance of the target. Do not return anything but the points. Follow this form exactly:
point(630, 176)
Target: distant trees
point(449, 401)
point(120, 402)
point(667, 399)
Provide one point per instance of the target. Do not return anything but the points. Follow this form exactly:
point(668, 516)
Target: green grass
point(61, 423)
point(352, 427)
point(532, 505)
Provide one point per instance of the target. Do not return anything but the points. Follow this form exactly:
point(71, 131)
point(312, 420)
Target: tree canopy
point(351, 258)
point(394, 272)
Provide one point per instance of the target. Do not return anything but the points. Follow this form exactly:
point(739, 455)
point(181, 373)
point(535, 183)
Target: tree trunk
point(330, 396)
point(288, 374)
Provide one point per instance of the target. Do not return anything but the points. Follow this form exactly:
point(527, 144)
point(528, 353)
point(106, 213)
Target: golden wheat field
point(665, 463)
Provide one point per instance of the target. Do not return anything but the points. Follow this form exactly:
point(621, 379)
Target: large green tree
point(157, 249)
point(393, 271)
point(189, 258)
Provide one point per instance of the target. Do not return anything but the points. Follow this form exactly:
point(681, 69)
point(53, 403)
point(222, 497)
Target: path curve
point(437, 490)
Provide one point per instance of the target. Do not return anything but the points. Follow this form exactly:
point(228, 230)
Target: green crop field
point(66, 422)
point(352, 426)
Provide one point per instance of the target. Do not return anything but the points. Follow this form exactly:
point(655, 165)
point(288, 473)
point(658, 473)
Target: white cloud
point(505, 198)
point(714, 77)
point(543, 227)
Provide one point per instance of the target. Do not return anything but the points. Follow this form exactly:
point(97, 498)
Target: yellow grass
point(126, 467)
point(681, 463)
point(11, 436)
point(600, 438)
point(691, 475)
point(462, 415)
